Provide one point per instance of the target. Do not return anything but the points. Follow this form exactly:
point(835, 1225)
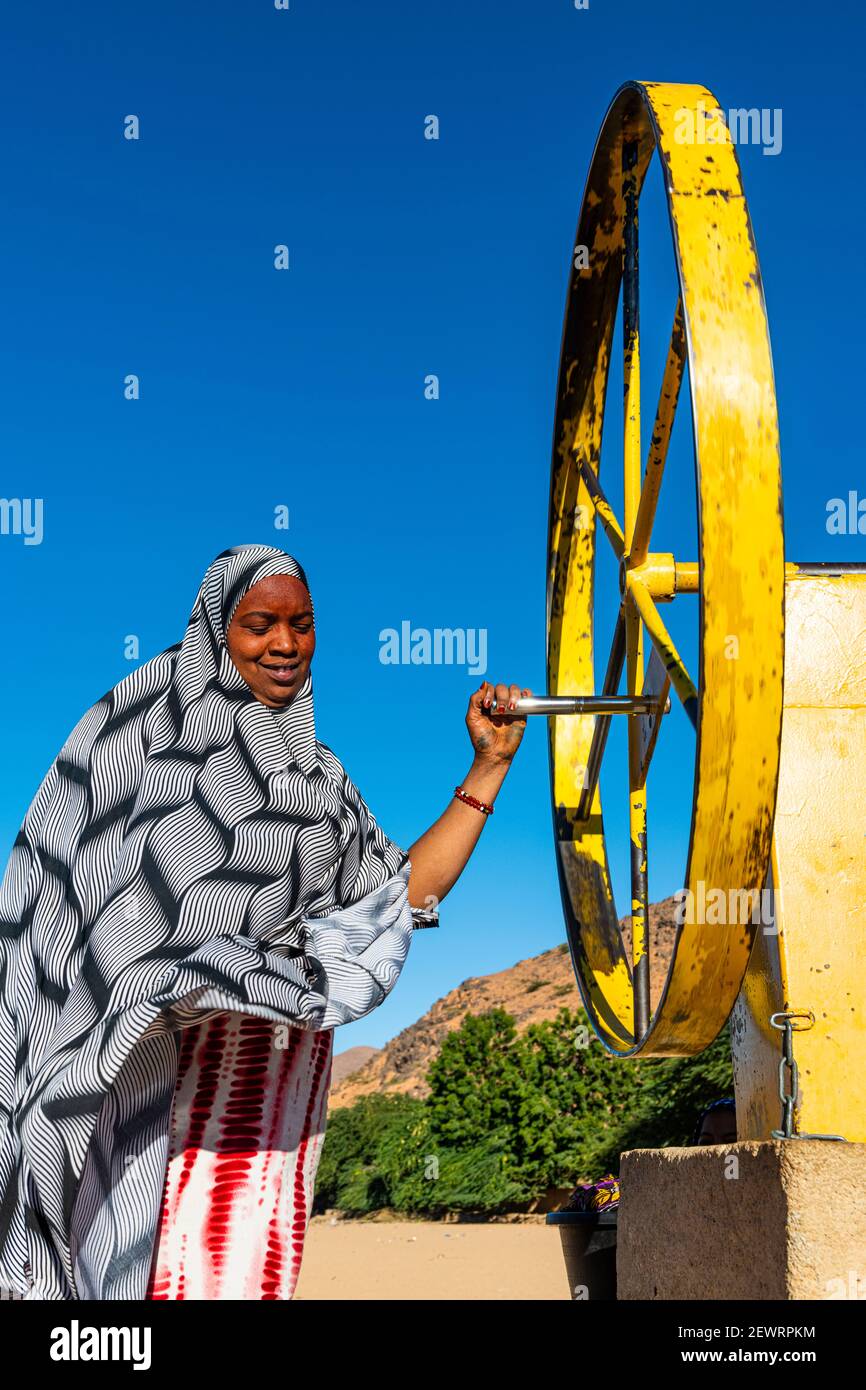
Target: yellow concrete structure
point(811, 960)
point(786, 717)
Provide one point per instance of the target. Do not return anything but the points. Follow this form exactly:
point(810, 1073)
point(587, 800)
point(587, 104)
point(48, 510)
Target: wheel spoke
point(664, 645)
point(633, 628)
point(637, 822)
point(603, 509)
point(658, 451)
point(612, 675)
point(639, 902)
point(630, 339)
point(656, 686)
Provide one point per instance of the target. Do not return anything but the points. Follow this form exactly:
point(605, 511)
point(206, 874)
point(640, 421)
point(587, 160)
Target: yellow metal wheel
point(734, 699)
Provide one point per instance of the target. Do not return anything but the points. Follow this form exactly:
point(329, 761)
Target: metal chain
point(790, 1098)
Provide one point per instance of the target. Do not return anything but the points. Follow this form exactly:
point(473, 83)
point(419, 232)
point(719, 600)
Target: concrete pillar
point(755, 1220)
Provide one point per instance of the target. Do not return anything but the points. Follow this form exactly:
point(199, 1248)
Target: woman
point(197, 897)
point(717, 1123)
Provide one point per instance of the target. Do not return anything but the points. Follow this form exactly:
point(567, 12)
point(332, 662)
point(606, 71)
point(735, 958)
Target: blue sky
point(305, 388)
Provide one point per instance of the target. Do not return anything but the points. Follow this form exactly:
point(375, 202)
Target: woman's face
point(271, 638)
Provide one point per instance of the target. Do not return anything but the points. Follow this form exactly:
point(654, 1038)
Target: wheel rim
point(720, 328)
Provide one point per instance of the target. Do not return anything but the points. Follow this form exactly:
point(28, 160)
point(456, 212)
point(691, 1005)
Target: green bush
point(509, 1115)
point(361, 1142)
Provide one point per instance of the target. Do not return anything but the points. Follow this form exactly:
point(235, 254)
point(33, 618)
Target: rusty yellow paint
point(687, 577)
point(663, 642)
point(741, 562)
point(663, 577)
point(811, 956)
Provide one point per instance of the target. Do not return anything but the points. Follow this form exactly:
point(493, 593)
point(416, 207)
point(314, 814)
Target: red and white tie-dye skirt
point(247, 1128)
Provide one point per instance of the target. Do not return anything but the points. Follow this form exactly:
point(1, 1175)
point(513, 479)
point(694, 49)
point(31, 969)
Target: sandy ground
point(431, 1260)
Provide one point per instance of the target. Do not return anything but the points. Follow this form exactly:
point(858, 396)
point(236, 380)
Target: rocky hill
point(348, 1062)
point(531, 991)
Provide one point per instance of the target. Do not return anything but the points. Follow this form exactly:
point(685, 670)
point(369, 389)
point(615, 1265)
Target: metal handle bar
point(590, 704)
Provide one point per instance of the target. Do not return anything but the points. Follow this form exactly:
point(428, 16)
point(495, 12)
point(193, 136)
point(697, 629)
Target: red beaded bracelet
point(473, 801)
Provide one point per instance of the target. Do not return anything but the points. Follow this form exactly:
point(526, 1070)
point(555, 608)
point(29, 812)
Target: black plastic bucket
point(589, 1247)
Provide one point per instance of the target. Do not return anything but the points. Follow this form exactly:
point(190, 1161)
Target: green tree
point(509, 1115)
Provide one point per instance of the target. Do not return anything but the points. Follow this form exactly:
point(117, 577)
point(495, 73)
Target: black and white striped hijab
point(187, 852)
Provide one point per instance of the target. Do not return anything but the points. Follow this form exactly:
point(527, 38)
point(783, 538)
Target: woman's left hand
point(494, 731)
point(439, 856)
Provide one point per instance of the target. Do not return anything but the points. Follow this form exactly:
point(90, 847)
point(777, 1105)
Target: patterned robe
point(190, 867)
